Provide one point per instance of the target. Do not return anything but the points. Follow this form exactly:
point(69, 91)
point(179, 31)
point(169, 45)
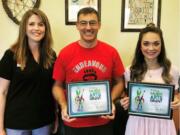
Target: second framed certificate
point(150, 100)
point(89, 98)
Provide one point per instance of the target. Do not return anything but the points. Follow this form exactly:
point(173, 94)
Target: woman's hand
point(124, 102)
point(2, 132)
point(176, 103)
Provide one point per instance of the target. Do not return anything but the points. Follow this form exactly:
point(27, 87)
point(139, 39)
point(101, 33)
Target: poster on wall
point(73, 6)
point(136, 14)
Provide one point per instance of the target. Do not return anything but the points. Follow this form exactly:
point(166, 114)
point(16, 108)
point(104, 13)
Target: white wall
point(170, 25)
point(125, 42)
point(8, 31)
point(179, 40)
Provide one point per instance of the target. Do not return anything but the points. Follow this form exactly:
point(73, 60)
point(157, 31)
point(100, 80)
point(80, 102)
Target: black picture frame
point(73, 6)
point(136, 14)
point(150, 99)
point(89, 98)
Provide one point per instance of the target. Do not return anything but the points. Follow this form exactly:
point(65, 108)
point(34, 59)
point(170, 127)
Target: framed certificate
point(89, 98)
point(150, 100)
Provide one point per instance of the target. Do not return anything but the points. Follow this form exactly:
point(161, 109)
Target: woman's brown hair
point(139, 67)
point(20, 47)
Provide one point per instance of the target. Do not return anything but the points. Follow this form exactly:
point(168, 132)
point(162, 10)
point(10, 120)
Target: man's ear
point(77, 25)
point(99, 25)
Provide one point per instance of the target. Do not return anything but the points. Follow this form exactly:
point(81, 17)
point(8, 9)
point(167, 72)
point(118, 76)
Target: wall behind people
point(179, 37)
point(125, 42)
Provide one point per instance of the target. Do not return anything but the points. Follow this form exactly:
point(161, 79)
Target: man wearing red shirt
point(87, 59)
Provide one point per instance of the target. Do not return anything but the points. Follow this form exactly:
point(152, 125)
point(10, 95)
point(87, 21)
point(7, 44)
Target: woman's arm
point(4, 85)
point(176, 102)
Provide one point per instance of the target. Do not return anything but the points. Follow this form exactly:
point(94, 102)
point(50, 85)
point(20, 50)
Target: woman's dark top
point(29, 102)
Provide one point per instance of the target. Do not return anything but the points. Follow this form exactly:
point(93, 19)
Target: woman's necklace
point(149, 74)
point(151, 66)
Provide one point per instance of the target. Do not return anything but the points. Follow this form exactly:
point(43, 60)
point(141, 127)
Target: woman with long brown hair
point(27, 105)
point(150, 64)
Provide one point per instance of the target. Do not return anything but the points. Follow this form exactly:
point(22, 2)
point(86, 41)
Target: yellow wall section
point(125, 42)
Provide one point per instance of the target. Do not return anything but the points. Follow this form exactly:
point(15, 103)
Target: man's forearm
point(117, 89)
point(59, 95)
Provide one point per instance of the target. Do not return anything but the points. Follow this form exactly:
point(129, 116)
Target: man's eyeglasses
point(85, 23)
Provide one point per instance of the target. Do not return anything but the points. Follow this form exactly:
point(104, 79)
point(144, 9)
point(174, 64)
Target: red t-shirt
point(76, 63)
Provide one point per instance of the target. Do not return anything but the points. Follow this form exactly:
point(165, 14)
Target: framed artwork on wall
point(73, 6)
point(136, 14)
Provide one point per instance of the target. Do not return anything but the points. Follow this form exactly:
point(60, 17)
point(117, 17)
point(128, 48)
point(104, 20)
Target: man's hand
point(65, 116)
point(112, 116)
